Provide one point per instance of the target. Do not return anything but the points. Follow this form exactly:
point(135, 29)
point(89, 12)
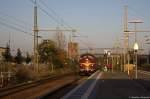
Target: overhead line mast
point(126, 36)
point(36, 30)
point(36, 67)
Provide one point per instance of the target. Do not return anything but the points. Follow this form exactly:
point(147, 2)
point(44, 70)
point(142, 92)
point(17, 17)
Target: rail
point(84, 90)
point(29, 84)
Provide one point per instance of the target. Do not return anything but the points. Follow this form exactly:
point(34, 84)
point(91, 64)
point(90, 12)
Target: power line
point(43, 10)
point(137, 12)
point(42, 2)
point(15, 28)
point(61, 19)
point(50, 15)
point(15, 19)
point(86, 44)
point(133, 14)
point(10, 22)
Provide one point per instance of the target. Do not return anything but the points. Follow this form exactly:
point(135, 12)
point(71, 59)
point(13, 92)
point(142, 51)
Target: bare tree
point(60, 40)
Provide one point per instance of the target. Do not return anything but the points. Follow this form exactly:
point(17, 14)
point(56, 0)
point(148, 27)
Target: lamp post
point(136, 47)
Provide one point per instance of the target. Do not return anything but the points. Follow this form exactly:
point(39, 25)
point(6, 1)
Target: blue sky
point(100, 20)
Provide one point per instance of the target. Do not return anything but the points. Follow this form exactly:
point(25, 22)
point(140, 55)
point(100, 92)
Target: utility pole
point(126, 35)
point(36, 30)
point(10, 52)
point(36, 65)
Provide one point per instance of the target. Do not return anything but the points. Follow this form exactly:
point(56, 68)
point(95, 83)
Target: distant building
point(2, 50)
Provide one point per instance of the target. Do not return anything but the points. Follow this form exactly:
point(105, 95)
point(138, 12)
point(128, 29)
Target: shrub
point(146, 65)
point(24, 73)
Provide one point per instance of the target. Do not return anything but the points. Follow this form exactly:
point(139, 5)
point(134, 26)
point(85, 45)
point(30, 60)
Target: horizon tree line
point(49, 53)
point(18, 58)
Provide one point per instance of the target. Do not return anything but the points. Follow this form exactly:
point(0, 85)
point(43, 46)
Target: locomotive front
point(87, 63)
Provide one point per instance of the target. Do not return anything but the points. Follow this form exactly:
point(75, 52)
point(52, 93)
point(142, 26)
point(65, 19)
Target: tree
point(47, 50)
point(19, 57)
point(28, 58)
point(60, 57)
point(50, 54)
point(60, 39)
point(7, 54)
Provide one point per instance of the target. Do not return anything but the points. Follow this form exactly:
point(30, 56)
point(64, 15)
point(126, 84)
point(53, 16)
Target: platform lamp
point(136, 47)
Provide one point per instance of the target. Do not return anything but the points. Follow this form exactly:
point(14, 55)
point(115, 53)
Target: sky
point(98, 22)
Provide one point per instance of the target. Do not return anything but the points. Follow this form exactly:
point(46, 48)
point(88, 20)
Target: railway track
point(35, 87)
point(144, 72)
point(142, 68)
point(64, 90)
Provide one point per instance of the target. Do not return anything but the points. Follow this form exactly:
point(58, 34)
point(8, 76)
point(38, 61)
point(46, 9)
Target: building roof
point(2, 47)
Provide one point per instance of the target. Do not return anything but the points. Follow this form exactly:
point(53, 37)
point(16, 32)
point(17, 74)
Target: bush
point(24, 73)
point(146, 65)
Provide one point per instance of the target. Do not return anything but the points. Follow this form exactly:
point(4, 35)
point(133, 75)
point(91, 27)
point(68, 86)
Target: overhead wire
point(134, 15)
point(44, 11)
point(43, 3)
point(131, 8)
point(140, 14)
point(13, 23)
point(61, 21)
point(86, 44)
point(59, 17)
point(56, 20)
point(15, 19)
point(15, 28)
point(52, 16)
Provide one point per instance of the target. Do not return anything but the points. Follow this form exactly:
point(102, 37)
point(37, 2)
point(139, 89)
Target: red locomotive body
point(87, 64)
